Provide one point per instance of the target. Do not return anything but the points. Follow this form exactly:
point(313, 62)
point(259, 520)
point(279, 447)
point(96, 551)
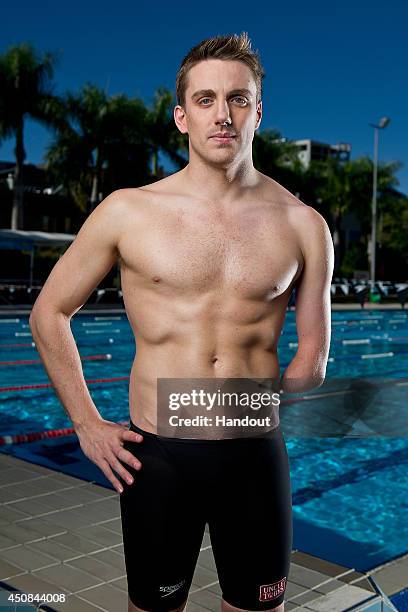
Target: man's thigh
point(250, 523)
point(163, 526)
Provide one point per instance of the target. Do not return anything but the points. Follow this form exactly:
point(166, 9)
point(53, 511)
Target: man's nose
point(222, 112)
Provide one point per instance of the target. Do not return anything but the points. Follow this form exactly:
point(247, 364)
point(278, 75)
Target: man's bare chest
point(256, 256)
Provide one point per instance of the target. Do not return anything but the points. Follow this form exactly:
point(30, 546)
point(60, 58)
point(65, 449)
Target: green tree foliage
point(25, 91)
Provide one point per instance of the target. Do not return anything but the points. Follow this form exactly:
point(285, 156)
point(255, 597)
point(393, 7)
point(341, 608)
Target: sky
point(331, 68)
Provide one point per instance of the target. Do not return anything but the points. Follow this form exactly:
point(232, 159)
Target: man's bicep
point(313, 304)
point(86, 261)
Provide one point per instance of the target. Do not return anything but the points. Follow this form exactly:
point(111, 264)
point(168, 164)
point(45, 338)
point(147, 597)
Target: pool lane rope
point(31, 344)
point(50, 385)
point(41, 435)
point(102, 357)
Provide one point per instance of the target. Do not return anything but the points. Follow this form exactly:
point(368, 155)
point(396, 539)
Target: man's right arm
point(76, 274)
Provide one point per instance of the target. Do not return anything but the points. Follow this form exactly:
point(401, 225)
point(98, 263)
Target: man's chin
point(221, 158)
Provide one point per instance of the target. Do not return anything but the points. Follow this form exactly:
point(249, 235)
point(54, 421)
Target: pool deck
point(60, 534)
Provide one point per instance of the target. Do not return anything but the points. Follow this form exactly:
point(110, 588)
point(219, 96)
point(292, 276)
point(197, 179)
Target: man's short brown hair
point(229, 47)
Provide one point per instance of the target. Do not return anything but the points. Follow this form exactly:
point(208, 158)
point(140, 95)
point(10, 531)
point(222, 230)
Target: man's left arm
point(307, 369)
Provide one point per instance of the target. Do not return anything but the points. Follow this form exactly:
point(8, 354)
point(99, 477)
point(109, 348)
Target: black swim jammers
point(239, 486)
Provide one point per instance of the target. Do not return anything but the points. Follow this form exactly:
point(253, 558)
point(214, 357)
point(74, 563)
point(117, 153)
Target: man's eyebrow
point(210, 92)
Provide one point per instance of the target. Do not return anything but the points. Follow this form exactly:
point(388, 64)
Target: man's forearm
point(56, 345)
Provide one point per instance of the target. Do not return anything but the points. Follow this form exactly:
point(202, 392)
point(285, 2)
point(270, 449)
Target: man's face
point(220, 97)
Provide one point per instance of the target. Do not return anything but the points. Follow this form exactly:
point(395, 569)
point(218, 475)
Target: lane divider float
point(41, 435)
point(49, 385)
point(102, 357)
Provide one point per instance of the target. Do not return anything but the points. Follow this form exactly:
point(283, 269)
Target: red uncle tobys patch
point(271, 591)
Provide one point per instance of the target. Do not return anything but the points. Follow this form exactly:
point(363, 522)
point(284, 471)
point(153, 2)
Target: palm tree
point(100, 145)
point(127, 149)
point(334, 190)
point(75, 157)
point(162, 132)
point(346, 186)
point(274, 156)
point(25, 91)
point(106, 143)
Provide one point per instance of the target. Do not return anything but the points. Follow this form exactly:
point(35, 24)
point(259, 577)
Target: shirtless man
point(209, 257)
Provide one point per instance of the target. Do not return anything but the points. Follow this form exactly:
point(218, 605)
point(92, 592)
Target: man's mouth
point(223, 136)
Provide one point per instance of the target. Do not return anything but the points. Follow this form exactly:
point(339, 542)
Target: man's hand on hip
point(102, 442)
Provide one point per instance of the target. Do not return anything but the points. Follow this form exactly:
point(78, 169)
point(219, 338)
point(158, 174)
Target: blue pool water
point(350, 497)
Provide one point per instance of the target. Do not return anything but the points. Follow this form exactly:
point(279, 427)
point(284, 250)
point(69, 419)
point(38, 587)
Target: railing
point(343, 290)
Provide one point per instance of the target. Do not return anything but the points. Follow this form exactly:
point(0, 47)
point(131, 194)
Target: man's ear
point(258, 114)
point(180, 119)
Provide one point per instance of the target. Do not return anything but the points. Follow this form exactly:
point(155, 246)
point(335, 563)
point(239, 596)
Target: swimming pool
point(349, 495)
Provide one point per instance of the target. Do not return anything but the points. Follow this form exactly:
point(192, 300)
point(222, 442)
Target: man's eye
point(240, 99)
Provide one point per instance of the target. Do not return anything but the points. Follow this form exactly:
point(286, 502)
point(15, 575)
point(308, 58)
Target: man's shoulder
point(113, 210)
point(276, 194)
point(302, 214)
point(145, 193)
point(310, 226)
point(307, 217)
point(133, 203)
point(311, 229)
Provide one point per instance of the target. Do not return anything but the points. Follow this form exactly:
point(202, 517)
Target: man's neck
point(221, 184)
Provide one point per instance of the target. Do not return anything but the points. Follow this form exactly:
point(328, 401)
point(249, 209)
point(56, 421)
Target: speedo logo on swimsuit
point(271, 591)
point(168, 590)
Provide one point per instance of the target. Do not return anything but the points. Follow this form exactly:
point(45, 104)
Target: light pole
point(384, 121)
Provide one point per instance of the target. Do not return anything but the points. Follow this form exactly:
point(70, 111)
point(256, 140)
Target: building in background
point(313, 150)
point(46, 208)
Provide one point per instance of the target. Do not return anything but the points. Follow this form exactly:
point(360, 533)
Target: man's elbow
point(37, 313)
point(41, 315)
point(32, 318)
